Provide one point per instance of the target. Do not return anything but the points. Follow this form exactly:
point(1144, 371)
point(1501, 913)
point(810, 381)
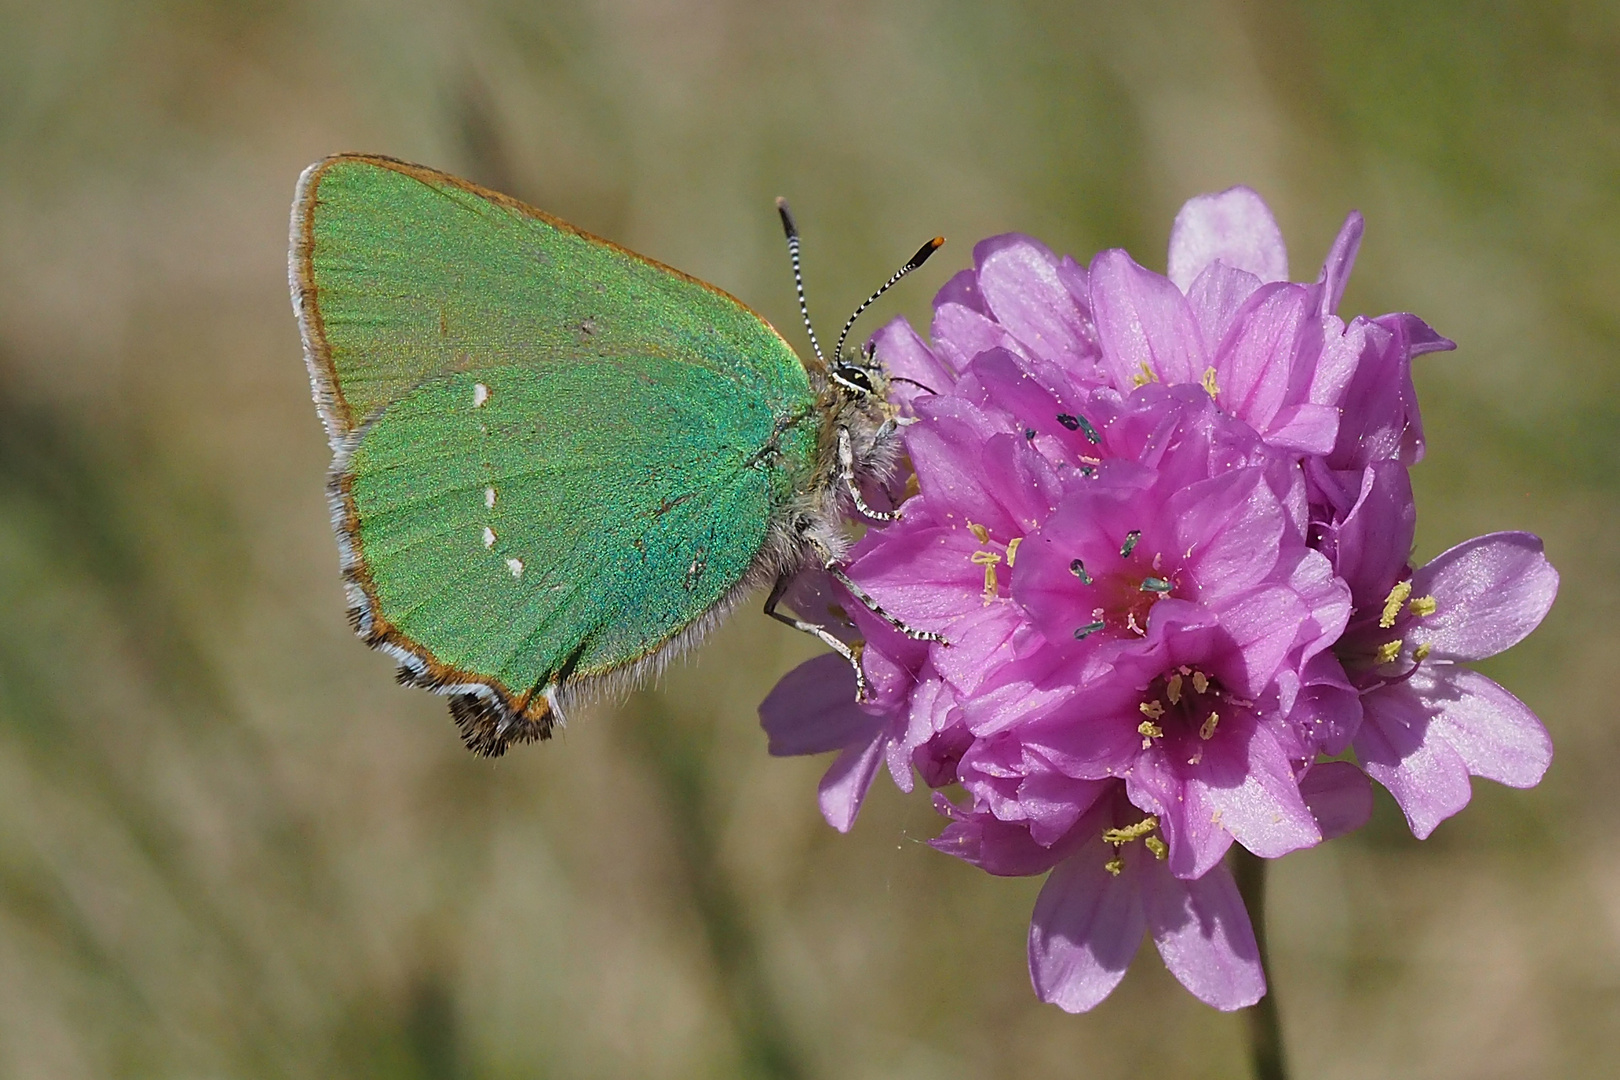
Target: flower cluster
point(1164, 526)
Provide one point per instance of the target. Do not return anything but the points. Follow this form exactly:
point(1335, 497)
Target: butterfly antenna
point(791, 228)
point(916, 261)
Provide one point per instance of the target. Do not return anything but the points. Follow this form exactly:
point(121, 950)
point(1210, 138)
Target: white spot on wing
point(489, 537)
point(480, 395)
point(516, 566)
point(489, 497)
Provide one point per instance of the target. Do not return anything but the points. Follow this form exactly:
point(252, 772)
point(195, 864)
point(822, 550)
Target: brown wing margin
point(335, 412)
point(489, 714)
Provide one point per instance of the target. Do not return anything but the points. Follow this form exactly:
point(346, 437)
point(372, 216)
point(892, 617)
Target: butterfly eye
point(855, 376)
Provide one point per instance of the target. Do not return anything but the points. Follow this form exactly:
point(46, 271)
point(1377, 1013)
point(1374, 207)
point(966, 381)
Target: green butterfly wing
point(554, 458)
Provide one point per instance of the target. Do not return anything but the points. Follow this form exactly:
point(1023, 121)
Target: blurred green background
point(231, 847)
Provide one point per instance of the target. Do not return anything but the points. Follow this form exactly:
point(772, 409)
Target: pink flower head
point(1162, 524)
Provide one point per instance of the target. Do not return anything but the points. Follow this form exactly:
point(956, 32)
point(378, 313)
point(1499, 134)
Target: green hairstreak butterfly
point(556, 462)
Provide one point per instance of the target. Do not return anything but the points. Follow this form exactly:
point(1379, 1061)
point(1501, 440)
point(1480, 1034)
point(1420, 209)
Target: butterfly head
point(859, 378)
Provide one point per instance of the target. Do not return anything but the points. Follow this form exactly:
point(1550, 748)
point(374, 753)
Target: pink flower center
point(1125, 591)
point(1183, 703)
point(1374, 643)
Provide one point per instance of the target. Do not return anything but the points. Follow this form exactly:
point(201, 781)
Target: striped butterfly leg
point(827, 637)
point(829, 562)
point(836, 572)
point(846, 476)
point(818, 631)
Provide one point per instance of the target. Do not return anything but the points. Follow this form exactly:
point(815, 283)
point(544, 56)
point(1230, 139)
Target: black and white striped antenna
point(916, 261)
point(790, 227)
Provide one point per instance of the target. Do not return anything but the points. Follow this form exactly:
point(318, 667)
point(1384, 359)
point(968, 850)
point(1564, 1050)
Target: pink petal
point(1262, 626)
point(1309, 429)
point(1010, 383)
point(981, 642)
point(1253, 791)
point(1203, 932)
point(1379, 419)
point(1143, 319)
point(962, 288)
point(1336, 366)
point(1187, 817)
point(1326, 597)
point(1094, 739)
point(928, 579)
point(1398, 746)
point(945, 454)
point(1375, 539)
point(1327, 710)
point(1420, 337)
point(1216, 296)
point(1233, 525)
point(1495, 734)
point(1340, 259)
point(1085, 930)
point(1491, 591)
point(1254, 364)
point(913, 368)
point(1052, 802)
point(813, 710)
point(960, 333)
point(1234, 226)
point(1018, 278)
point(996, 847)
point(1339, 796)
point(847, 781)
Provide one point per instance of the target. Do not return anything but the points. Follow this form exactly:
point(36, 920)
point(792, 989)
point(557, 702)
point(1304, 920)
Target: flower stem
point(1265, 1030)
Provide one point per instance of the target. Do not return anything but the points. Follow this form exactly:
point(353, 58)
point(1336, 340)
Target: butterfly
point(557, 463)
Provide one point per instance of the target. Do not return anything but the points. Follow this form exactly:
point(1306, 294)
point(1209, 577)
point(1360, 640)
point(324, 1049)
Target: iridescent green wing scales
point(554, 457)
point(518, 543)
point(402, 273)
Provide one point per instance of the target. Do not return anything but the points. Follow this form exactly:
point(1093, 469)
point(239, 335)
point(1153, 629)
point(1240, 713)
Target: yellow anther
point(1207, 730)
point(1389, 650)
point(1151, 709)
point(988, 560)
point(1143, 376)
point(1115, 866)
point(1421, 653)
point(1392, 604)
point(1130, 832)
point(980, 532)
point(1012, 549)
point(1200, 681)
point(1159, 848)
point(1422, 605)
point(1172, 689)
point(1209, 382)
point(1150, 730)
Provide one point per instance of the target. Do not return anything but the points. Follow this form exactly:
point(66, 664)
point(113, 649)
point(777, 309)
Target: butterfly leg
point(829, 563)
point(846, 473)
point(821, 632)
